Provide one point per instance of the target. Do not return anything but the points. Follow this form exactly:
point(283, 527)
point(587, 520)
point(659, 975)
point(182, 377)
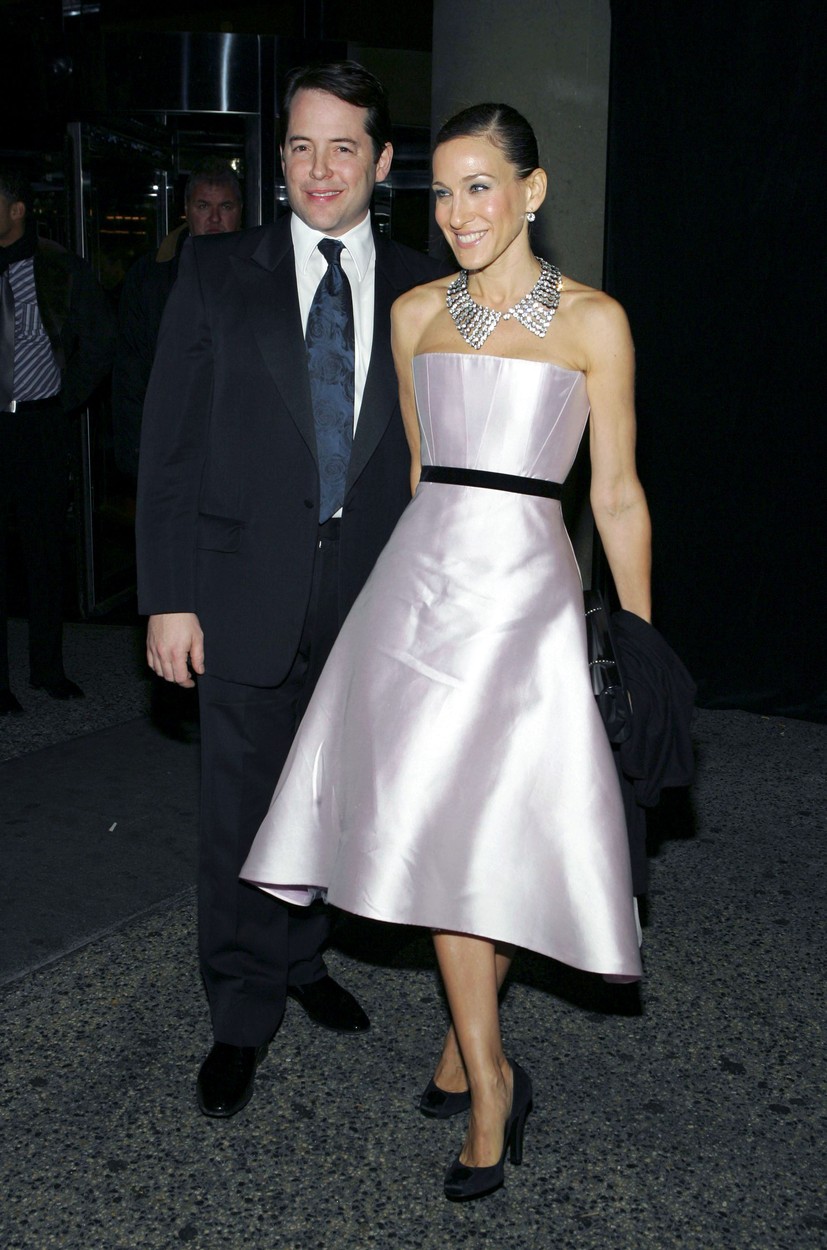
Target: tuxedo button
point(308, 503)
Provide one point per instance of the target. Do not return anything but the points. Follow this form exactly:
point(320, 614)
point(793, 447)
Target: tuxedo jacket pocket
point(218, 533)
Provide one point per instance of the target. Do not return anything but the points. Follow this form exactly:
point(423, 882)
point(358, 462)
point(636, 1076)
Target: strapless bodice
point(505, 415)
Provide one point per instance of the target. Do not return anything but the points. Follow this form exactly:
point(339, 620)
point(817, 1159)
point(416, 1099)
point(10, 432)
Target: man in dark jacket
point(57, 341)
point(273, 468)
point(212, 205)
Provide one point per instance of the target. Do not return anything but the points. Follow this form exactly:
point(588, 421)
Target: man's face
point(213, 209)
point(12, 220)
point(328, 162)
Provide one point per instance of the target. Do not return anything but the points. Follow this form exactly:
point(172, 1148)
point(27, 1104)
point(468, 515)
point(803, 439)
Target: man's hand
point(171, 637)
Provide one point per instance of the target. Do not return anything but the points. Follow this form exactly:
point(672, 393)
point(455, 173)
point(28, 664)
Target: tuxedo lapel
point(381, 391)
point(268, 280)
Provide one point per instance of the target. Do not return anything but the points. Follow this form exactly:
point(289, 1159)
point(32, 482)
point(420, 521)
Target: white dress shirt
point(359, 264)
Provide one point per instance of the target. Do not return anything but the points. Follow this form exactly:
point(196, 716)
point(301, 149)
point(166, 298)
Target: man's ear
point(383, 165)
point(17, 210)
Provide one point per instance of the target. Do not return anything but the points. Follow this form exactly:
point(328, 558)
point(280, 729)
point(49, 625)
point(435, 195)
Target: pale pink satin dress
point(452, 769)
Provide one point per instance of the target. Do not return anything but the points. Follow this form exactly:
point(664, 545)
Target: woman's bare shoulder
point(414, 311)
point(590, 328)
point(588, 306)
point(422, 301)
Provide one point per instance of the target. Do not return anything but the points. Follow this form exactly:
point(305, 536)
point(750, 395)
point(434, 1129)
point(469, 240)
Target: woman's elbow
point(618, 500)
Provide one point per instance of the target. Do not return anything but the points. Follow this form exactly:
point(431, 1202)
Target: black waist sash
point(491, 481)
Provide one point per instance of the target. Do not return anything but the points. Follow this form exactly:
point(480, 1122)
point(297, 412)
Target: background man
point(258, 522)
point(212, 205)
point(57, 339)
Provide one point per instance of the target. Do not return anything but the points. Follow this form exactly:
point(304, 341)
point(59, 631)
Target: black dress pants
point(34, 482)
point(251, 945)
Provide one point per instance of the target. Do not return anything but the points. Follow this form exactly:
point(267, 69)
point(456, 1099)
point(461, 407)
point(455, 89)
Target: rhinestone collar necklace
point(534, 311)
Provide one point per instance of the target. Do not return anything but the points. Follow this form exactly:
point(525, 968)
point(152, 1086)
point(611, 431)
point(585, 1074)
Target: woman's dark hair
point(501, 125)
point(348, 81)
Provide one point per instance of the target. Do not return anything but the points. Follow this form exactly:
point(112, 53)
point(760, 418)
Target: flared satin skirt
point(452, 770)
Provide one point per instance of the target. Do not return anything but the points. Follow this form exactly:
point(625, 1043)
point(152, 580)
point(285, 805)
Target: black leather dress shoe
point(60, 688)
point(328, 1004)
point(225, 1082)
point(8, 704)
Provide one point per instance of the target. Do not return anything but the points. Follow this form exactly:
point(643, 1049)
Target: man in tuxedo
point(273, 468)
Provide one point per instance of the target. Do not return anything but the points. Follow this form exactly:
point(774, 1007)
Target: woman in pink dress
point(452, 770)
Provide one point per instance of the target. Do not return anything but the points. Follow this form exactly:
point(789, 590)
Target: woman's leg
point(450, 1073)
point(469, 972)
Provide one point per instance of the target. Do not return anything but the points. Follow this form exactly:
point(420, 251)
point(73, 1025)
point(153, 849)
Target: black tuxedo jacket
point(228, 487)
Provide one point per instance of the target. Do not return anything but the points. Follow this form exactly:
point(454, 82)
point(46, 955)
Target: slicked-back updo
point(502, 126)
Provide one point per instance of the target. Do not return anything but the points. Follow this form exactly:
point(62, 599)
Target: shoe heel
point(515, 1144)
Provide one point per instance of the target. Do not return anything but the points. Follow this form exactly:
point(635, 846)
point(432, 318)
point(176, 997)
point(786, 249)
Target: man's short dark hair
point(15, 186)
point(348, 81)
point(216, 173)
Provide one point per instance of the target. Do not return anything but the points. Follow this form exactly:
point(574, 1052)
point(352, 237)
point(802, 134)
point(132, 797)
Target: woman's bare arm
point(617, 498)
point(409, 316)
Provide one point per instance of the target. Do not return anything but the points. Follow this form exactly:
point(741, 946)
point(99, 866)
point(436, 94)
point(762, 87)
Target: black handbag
point(604, 668)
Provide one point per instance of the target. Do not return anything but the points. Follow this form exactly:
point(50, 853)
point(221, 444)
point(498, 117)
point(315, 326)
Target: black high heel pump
point(463, 1182)
point(438, 1104)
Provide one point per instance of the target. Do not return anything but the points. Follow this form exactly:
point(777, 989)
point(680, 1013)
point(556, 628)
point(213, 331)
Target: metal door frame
point(79, 135)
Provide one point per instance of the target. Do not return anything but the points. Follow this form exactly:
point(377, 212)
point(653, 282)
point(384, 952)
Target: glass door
point(119, 196)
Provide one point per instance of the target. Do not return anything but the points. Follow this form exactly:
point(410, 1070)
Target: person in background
point(212, 205)
point(57, 342)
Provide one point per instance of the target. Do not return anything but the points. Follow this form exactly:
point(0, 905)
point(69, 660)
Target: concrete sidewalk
point(687, 1115)
point(97, 829)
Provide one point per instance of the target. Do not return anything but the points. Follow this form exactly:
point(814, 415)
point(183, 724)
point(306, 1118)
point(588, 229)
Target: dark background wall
point(550, 61)
point(716, 230)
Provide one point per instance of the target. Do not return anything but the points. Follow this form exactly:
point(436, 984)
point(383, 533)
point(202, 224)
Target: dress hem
point(303, 896)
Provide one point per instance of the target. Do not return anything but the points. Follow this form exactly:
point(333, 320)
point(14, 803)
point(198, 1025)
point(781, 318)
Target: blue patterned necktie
point(331, 355)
